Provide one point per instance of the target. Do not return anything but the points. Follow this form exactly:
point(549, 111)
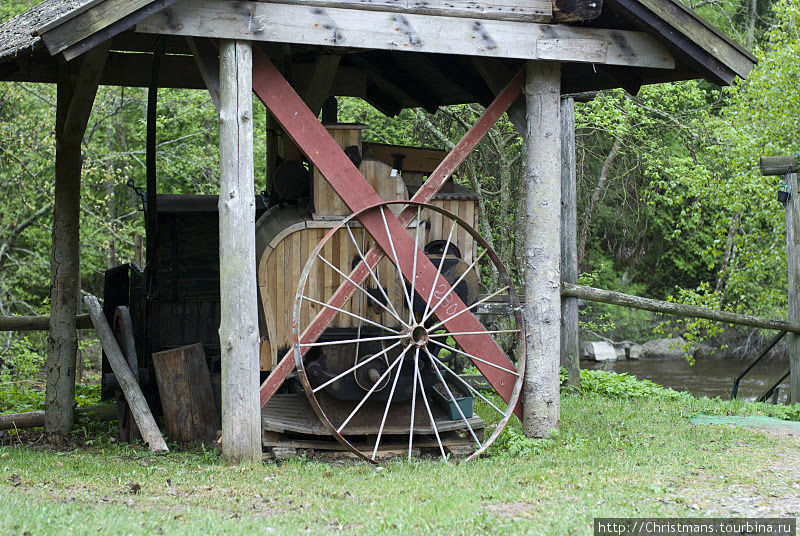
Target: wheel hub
point(418, 336)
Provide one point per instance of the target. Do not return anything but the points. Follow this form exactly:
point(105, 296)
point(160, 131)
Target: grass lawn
point(612, 457)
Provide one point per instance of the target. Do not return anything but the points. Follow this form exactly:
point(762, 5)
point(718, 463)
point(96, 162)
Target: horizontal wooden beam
point(670, 308)
point(33, 419)
point(358, 28)
point(518, 10)
point(178, 71)
point(38, 323)
point(777, 165)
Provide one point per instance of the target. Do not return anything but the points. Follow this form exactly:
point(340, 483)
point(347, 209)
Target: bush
point(615, 385)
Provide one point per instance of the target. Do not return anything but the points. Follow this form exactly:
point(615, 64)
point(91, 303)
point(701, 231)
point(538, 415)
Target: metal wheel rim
point(513, 302)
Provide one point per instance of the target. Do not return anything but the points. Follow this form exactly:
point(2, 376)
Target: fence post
point(793, 264)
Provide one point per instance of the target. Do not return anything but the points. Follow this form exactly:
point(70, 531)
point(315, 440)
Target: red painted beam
point(324, 152)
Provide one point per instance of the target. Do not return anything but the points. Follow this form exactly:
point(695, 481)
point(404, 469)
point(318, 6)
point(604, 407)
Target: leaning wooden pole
point(541, 402)
point(127, 382)
point(569, 243)
point(793, 263)
point(238, 331)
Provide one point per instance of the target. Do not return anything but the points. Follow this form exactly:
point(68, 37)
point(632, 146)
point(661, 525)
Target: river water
point(707, 377)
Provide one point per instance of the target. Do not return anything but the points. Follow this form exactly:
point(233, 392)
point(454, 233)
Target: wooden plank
point(569, 243)
point(319, 86)
point(703, 34)
point(793, 264)
point(540, 398)
point(239, 340)
point(412, 159)
point(206, 57)
point(65, 33)
point(777, 165)
point(133, 394)
point(516, 10)
point(184, 386)
point(414, 33)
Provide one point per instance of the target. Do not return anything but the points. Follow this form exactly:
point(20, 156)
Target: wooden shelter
point(394, 55)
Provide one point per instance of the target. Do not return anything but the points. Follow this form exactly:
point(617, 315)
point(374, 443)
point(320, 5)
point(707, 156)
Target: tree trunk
point(62, 342)
point(598, 189)
point(238, 332)
point(542, 249)
point(569, 244)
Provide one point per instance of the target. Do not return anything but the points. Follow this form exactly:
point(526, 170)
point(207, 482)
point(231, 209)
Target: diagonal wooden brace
point(306, 131)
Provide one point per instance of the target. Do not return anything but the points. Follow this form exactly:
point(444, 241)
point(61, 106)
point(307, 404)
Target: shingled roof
point(18, 35)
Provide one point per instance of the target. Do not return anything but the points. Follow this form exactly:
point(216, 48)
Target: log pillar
point(77, 86)
point(238, 331)
point(793, 263)
point(541, 402)
point(569, 243)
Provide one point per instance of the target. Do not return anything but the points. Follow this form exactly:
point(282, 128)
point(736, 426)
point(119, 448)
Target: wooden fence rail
point(38, 323)
point(670, 308)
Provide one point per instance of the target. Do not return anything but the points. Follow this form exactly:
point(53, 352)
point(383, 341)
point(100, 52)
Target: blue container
point(450, 408)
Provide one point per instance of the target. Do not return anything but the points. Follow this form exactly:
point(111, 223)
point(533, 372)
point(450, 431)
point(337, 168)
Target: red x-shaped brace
point(314, 140)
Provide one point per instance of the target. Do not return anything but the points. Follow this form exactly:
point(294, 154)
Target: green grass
point(613, 456)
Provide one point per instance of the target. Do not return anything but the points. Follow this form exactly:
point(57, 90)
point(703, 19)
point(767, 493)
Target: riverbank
point(615, 455)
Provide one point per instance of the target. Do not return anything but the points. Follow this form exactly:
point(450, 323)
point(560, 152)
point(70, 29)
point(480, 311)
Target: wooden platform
point(293, 414)
point(290, 426)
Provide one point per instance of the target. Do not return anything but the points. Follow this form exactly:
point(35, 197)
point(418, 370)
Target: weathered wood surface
point(670, 308)
point(38, 323)
point(187, 398)
point(576, 10)
point(322, 77)
point(541, 403)
point(777, 165)
point(206, 57)
point(702, 33)
point(65, 32)
point(793, 263)
point(569, 243)
point(238, 331)
point(516, 10)
point(411, 159)
point(133, 393)
point(34, 419)
point(414, 33)
point(77, 87)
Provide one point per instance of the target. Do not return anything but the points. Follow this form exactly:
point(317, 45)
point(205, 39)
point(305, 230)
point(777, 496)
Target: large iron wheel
point(403, 356)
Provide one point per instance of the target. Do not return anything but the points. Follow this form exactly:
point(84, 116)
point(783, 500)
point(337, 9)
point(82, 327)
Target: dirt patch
point(511, 510)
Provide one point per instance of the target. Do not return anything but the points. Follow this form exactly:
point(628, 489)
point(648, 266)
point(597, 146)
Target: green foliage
point(615, 385)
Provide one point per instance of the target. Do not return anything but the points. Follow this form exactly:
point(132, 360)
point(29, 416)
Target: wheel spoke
point(372, 389)
point(413, 402)
point(351, 341)
point(414, 271)
point(462, 311)
point(371, 273)
point(359, 287)
point(430, 414)
point(468, 386)
point(453, 399)
point(368, 321)
point(439, 270)
point(513, 372)
point(447, 334)
point(354, 367)
point(397, 263)
point(386, 410)
point(454, 285)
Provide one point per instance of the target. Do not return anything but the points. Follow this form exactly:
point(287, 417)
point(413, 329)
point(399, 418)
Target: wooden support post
point(793, 263)
point(127, 382)
point(541, 402)
point(238, 331)
point(569, 243)
point(77, 86)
